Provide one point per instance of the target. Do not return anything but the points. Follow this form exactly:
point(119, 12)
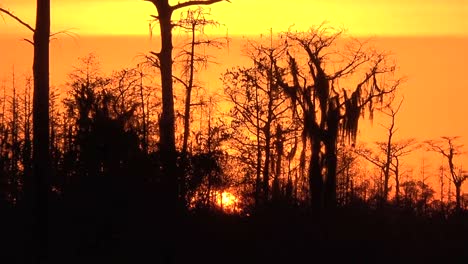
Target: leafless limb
point(19, 20)
point(192, 3)
point(66, 32)
point(446, 147)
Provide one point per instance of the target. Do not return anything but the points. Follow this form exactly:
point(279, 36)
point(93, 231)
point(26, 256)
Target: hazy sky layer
point(360, 17)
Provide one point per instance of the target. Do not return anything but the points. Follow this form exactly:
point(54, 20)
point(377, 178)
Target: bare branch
point(29, 41)
point(180, 81)
point(199, 2)
point(19, 20)
point(65, 32)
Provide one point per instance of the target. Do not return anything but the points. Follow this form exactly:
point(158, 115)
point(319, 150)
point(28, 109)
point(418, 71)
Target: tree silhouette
point(261, 117)
point(167, 120)
point(447, 147)
point(416, 195)
point(194, 23)
point(38, 189)
point(191, 61)
point(347, 170)
point(390, 152)
point(330, 111)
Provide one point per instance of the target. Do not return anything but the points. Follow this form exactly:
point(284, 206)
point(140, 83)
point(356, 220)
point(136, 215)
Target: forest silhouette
point(146, 165)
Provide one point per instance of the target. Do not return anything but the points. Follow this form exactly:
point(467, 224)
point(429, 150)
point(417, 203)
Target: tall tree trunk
point(26, 150)
point(277, 174)
point(388, 161)
point(258, 178)
point(166, 122)
point(330, 152)
point(386, 174)
point(143, 111)
point(188, 92)
point(188, 97)
point(266, 165)
point(315, 176)
point(397, 181)
point(14, 143)
point(457, 197)
point(41, 160)
point(330, 183)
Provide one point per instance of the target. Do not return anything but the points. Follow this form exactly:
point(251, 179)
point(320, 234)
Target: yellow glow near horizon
point(228, 202)
point(246, 17)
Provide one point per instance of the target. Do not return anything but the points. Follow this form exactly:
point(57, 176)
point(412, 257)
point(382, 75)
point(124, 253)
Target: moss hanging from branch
point(351, 115)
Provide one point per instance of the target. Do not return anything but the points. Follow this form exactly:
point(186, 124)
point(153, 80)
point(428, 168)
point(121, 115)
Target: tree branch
point(192, 3)
point(2, 10)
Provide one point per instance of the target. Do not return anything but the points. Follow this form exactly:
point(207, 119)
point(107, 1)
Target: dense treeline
point(273, 154)
point(105, 128)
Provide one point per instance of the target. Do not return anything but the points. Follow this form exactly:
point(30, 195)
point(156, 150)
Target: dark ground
point(270, 236)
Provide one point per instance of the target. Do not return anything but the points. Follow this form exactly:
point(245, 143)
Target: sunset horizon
point(234, 130)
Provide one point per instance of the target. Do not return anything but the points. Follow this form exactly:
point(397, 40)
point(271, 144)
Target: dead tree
point(39, 186)
point(260, 113)
point(389, 154)
point(194, 23)
point(167, 120)
point(448, 149)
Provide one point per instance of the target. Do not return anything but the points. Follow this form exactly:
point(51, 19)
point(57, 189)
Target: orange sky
point(429, 40)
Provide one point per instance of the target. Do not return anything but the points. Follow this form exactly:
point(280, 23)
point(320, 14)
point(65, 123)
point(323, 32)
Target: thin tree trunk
point(330, 183)
point(188, 92)
point(330, 150)
point(188, 97)
point(143, 111)
point(266, 165)
point(315, 176)
point(14, 143)
point(397, 182)
point(279, 155)
point(458, 197)
point(258, 181)
point(26, 150)
point(386, 171)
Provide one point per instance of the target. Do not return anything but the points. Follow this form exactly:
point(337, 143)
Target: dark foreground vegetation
point(110, 201)
point(274, 235)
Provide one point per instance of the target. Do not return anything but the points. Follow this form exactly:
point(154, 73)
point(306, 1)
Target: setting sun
point(227, 202)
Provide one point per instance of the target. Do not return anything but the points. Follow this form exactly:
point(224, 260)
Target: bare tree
point(41, 162)
point(261, 113)
point(194, 23)
point(389, 154)
point(167, 120)
point(447, 147)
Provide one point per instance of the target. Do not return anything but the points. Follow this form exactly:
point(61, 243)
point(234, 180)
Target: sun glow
point(224, 200)
point(228, 202)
